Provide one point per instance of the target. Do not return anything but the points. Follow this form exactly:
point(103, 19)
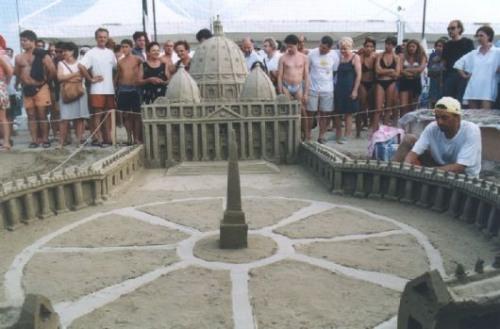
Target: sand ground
point(140, 235)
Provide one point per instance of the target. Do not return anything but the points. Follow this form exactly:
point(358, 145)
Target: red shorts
point(102, 102)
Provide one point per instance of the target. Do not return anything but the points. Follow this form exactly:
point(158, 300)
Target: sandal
point(96, 144)
point(33, 145)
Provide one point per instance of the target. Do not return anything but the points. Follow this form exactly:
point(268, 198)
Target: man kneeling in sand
point(293, 74)
point(449, 143)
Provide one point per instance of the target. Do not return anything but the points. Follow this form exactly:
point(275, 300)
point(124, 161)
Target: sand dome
point(219, 68)
point(182, 88)
point(258, 87)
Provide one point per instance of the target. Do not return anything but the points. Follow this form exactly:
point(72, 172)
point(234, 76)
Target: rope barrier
point(395, 107)
point(317, 116)
point(90, 115)
point(80, 148)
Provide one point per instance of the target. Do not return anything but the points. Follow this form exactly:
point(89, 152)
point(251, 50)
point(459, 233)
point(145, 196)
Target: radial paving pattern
point(164, 270)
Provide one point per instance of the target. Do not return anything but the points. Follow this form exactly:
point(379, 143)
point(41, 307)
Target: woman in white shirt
point(480, 66)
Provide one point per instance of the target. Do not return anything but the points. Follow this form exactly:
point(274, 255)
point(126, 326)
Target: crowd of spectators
point(335, 83)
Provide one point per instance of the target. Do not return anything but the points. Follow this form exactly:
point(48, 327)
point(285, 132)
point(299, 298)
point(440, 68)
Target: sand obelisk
point(233, 228)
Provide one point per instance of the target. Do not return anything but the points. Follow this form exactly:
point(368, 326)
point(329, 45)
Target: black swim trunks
point(128, 98)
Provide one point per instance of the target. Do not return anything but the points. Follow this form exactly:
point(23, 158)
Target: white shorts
point(321, 101)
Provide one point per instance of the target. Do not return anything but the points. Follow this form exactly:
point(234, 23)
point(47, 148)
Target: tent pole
point(18, 25)
point(144, 13)
point(423, 19)
point(154, 20)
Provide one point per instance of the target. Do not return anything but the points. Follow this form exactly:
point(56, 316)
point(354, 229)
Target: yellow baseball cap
point(450, 105)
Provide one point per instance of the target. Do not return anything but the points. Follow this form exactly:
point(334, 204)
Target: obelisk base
point(233, 236)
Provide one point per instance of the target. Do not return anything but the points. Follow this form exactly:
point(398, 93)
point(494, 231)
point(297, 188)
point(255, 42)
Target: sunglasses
point(452, 28)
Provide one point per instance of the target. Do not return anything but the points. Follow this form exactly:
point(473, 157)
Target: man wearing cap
point(449, 143)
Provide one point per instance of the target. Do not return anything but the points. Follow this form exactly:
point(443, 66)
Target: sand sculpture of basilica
point(218, 94)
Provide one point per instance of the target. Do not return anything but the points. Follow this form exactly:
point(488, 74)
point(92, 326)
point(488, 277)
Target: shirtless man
point(128, 99)
point(102, 92)
point(35, 87)
point(293, 74)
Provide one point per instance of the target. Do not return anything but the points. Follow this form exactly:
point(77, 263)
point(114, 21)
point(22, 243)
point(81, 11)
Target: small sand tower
point(233, 228)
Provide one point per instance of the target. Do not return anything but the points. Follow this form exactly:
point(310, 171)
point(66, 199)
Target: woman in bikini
point(414, 62)
point(368, 56)
point(387, 68)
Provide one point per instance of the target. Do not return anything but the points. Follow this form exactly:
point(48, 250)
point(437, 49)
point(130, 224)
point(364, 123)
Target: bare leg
point(129, 125)
point(137, 128)
point(63, 132)
point(96, 119)
point(392, 102)
point(404, 99)
point(348, 125)
point(91, 121)
point(338, 128)
point(361, 115)
point(33, 125)
point(308, 124)
point(41, 115)
point(323, 121)
point(6, 129)
point(79, 129)
point(106, 127)
point(379, 105)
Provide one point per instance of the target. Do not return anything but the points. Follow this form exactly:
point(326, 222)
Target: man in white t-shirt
point(322, 63)
point(449, 143)
point(271, 59)
point(101, 61)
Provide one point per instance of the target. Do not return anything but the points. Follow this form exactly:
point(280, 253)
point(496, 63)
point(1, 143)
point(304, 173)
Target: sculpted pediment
point(224, 113)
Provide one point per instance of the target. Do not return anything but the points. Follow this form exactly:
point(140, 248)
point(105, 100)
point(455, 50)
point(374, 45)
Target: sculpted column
point(233, 228)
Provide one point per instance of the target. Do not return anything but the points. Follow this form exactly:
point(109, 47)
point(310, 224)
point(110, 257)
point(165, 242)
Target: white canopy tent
point(121, 18)
point(439, 12)
point(354, 17)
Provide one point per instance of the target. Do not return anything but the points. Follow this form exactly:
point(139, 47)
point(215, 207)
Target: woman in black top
point(155, 74)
